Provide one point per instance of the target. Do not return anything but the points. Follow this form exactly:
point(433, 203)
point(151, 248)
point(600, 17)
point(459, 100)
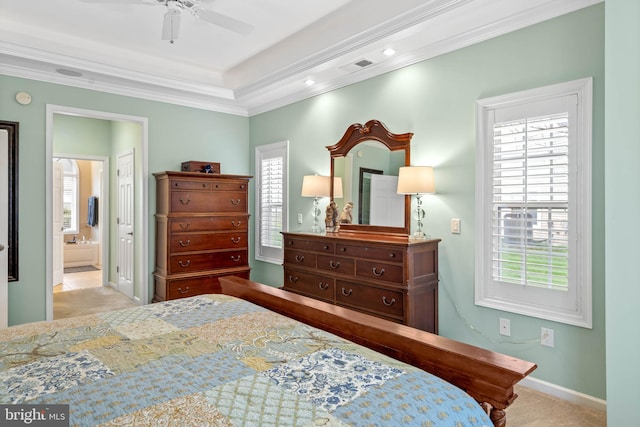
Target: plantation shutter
point(531, 201)
point(271, 200)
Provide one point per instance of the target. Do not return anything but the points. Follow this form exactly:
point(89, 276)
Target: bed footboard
point(487, 376)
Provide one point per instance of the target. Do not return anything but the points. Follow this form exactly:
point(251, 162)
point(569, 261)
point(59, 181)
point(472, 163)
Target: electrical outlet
point(546, 337)
point(455, 226)
point(299, 218)
point(505, 327)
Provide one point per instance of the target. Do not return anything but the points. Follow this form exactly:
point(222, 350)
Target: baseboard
point(564, 393)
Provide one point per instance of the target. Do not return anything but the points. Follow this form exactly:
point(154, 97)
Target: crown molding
point(275, 89)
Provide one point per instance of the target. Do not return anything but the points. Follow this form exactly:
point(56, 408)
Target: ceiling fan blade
point(224, 21)
point(171, 25)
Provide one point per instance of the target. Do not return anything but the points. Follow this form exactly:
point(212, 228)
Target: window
point(533, 197)
point(271, 200)
point(70, 196)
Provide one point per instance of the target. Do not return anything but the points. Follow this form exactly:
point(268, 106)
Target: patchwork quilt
point(219, 361)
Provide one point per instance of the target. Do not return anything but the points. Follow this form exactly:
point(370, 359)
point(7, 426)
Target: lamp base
point(419, 235)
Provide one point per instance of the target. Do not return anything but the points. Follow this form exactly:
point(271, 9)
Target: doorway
point(80, 184)
point(109, 252)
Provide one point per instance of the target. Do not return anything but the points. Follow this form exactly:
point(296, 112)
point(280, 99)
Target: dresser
point(202, 226)
point(389, 276)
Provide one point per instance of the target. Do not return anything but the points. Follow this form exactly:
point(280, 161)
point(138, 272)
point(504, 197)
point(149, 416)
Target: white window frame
point(572, 306)
point(264, 252)
point(74, 177)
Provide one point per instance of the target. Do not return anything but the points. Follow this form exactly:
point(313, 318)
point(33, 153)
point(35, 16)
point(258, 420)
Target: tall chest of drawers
point(393, 277)
point(202, 225)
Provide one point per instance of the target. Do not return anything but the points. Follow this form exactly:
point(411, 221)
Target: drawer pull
point(378, 273)
point(242, 186)
point(290, 242)
point(347, 293)
point(183, 244)
point(388, 303)
point(343, 249)
point(235, 258)
point(235, 201)
point(392, 255)
point(236, 239)
point(323, 286)
point(236, 224)
point(185, 264)
point(326, 247)
point(185, 203)
point(185, 226)
point(299, 258)
point(334, 264)
point(186, 290)
point(293, 279)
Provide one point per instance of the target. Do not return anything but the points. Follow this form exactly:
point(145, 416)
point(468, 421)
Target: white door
point(58, 218)
point(126, 192)
point(387, 206)
point(4, 230)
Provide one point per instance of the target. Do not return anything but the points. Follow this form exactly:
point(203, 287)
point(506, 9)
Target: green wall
point(176, 134)
point(435, 99)
point(622, 155)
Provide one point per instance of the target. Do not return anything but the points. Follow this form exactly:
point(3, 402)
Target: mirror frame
point(12, 196)
point(377, 131)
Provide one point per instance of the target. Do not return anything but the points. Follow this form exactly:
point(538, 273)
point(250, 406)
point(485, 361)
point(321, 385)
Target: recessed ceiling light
point(70, 73)
point(389, 51)
point(309, 82)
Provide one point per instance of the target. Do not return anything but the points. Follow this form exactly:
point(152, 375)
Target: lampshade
point(315, 186)
point(337, 187)
point(416, 180)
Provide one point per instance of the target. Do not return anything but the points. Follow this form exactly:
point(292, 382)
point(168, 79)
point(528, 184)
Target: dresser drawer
point(336, 264)
point(201, 201)
point(310, 245)
point(380, 271)
point(377, 253)
point(191, 242)
point(168, 289)
point(228, 186)
point(369, 298)
point(185, 184)
point(305, 259)
point(209, 223)
point(312, 285)
point(187, 263)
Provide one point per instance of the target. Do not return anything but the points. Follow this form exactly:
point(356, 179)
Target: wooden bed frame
point(487, 376)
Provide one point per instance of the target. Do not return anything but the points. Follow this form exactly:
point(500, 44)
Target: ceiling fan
point(175, 8)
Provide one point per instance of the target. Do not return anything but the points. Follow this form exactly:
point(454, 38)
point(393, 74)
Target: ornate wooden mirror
point(364, 148)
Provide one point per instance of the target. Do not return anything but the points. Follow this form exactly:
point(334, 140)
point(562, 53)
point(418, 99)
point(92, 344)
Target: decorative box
point(197, 166)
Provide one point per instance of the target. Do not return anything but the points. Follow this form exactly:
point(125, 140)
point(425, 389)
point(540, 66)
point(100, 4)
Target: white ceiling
point(116, 46)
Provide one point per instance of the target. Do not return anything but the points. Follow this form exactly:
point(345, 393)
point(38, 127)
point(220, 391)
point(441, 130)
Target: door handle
point(130, 233)
point(1, 247)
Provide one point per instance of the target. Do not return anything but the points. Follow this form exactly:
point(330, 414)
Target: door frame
point(142, 286)
point(103, 208)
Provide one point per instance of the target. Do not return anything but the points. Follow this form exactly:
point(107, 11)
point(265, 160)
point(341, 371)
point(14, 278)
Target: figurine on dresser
point(331, 217)
point(346, 214)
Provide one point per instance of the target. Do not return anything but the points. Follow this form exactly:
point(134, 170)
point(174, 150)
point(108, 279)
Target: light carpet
point(88, 301)
point(535, 409)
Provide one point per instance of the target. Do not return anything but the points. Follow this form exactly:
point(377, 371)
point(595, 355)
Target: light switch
point(455, 225)
point(299, 218)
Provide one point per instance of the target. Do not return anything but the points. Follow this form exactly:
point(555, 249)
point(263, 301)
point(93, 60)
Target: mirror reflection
point(369, 175)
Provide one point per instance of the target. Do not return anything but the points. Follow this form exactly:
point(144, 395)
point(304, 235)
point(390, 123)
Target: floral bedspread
point(219, 361)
